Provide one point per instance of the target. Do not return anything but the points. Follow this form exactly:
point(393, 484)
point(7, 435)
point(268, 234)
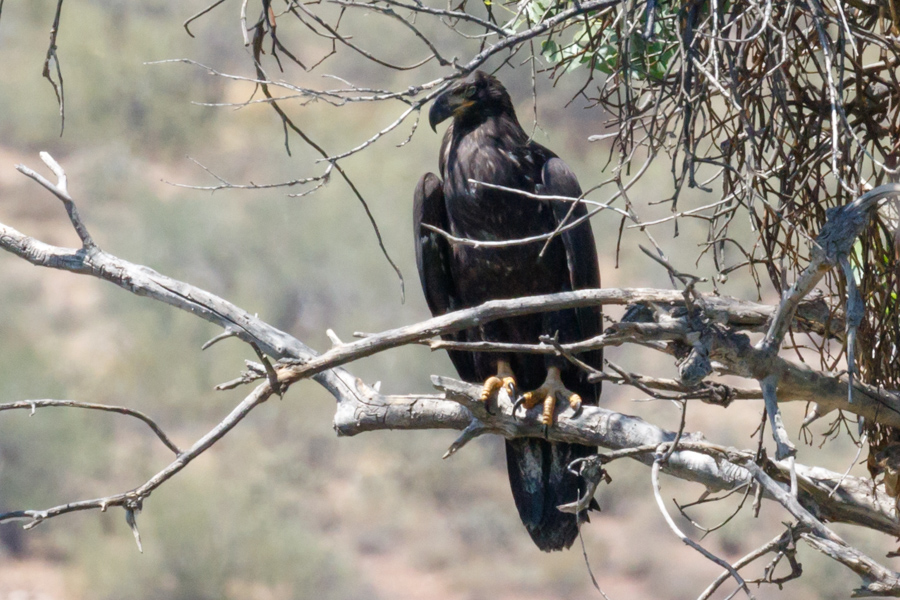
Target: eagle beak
point(440, 111)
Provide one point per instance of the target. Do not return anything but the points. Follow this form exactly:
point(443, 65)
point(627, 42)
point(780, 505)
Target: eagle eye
point(469, 92)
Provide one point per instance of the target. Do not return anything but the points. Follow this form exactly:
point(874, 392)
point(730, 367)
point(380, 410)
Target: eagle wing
point(557, 179)
point(433, 256)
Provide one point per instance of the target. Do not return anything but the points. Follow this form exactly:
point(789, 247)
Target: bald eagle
point(485, 143)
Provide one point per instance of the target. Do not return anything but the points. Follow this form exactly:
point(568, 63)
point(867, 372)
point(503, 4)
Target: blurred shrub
point(208, 538)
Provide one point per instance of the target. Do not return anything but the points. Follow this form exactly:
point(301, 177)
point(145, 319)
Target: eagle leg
point(503, 378)
point(551, 390)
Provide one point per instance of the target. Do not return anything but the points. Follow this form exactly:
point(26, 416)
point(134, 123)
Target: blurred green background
point(282, 508)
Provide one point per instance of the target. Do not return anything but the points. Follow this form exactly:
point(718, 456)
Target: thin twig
point(52, 55)
point(34, 404)
point(654, 474)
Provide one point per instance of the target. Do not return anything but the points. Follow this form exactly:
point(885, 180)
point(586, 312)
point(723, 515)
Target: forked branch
point(360, 408)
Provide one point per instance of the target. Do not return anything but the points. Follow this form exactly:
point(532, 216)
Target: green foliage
point(598, 44)
point(538, 10)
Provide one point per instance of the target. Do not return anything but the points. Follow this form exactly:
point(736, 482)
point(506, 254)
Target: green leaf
point(550, 50)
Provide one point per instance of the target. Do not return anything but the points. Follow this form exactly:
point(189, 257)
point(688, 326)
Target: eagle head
point(473, 98)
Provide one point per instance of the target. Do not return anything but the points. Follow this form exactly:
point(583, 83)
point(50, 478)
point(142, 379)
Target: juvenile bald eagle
point(485, 143)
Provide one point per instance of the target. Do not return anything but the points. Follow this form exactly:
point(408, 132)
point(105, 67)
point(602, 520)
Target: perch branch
point(362, 408)
point(716, 467)
point(797, 382)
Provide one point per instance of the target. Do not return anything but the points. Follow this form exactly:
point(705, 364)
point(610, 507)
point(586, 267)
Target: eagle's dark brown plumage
point(486, 143)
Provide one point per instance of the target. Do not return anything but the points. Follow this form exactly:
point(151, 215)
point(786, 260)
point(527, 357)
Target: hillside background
point(282, 508)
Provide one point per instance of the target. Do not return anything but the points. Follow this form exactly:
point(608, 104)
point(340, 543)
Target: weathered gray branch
point(719, 310)
point(877, 580)
point(829, 496)
point(144, 281)
point(854, 500)
point(732, 352)
point(781, 541)
point(459, 407)
point(681, 535)
point(843, 227)
point(33, 405)
point(796, 382)
point(132, 500)
point(832, 247)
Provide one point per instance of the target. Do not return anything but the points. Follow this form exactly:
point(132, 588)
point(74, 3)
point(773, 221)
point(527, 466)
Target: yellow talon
point(549, 407)
point(548, 393)
point(503, 378)
point(491, 385)
point(530, 399)
point(575, 402)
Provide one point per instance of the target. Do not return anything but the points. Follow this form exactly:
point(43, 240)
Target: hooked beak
point(440, 110)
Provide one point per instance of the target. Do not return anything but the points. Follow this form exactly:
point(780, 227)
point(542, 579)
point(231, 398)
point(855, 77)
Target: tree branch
point(143, 281)
point(716, 467)
point(843, 227)
point(132, 501)
point(32, 405)
point(715, 329)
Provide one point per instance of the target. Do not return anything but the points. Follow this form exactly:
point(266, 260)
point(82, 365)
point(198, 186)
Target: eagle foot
point(551, 391)
point(503, 379)
point(494, 383)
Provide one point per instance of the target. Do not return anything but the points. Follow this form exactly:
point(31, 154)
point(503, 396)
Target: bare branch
point(797, 383)
point(710, 392)
point(784, 447)
point(779, 542)
point(132, 500)
point(843, 227)
point(34, 404)
point(187, 23)
point(144, 281)
point(716, 467)
point(877, 580)
point(662, 508)
point(53, 57)
point(61, 191)
point(227, 185)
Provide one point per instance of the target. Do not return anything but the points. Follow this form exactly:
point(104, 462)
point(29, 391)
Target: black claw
point(516, 406)
point(487, 407)
point(545, 429)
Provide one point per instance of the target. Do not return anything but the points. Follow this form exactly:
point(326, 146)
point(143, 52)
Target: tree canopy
point(749, 149)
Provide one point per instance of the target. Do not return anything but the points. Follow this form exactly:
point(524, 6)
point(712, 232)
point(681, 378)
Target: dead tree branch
point(132, 501)
point(715, 323)
point(33, 405)
point(716, 467)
